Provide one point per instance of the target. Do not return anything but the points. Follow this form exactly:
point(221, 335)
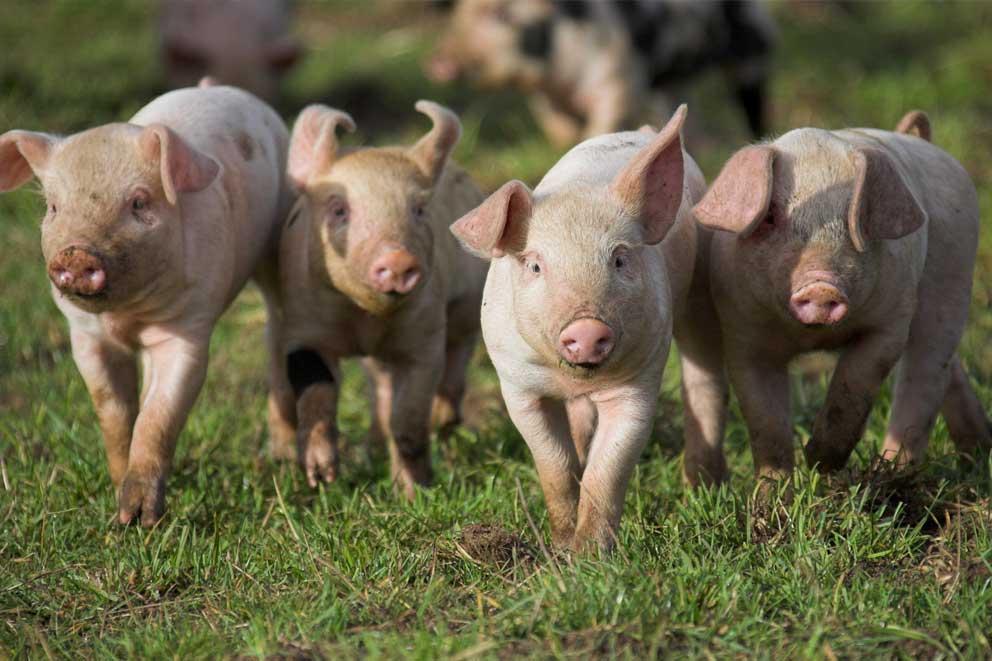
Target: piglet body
point(590, 272)
point(861, 241)
point(152, 229)
point(369, 269)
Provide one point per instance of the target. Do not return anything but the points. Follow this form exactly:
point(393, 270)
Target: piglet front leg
point(178, 367)
point(625, 416)
point(314, 385)
point(545, 428)
point(859, 374)
point(111, 376)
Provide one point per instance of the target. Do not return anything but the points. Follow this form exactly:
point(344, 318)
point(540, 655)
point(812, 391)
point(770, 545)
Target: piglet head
point(373, 215)
point(810, 213)
point(587, 294)
point(113, 227)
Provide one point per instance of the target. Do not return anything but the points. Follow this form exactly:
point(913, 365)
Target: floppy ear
point(498, 225)
point(882, 206)
point(22, 155)
point(314, 144)
point(431, 151)
point(184, 169)
point(650, 186)
point(738, 200)
point(915, 122)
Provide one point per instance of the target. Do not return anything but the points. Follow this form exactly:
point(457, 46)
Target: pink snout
point(818, 303)
point(78, 271)
point(586, 342)
point(396, 271)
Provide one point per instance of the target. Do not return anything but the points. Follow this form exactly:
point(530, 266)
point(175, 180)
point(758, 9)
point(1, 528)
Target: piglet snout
point(78, 271)
point(586, 342)
point(818, 303)
point(396, 271)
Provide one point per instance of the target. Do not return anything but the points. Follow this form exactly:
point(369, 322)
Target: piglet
point(369, 268)
point(152, 228)
point(860, 241)
point(246, 43)
point(590, 272)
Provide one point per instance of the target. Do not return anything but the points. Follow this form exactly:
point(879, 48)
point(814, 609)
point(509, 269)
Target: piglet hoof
point(825, 457)
point(141, 498)
point(705, 471)
point(320, 462)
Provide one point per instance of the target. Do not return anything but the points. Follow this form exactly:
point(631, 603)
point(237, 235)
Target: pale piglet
point(861, 241)
point(590, 272)
point(245, 43)
point(370, 269)
point(152, 229)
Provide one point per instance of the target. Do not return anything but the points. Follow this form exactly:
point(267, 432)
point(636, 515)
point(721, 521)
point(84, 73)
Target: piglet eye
point(137, 204)
point(419, 212)
point(619, 261)
point(535, 267)
point(52, 209)
point(338, 210)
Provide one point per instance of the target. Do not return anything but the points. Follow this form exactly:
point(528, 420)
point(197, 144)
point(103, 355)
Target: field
point(250, 562)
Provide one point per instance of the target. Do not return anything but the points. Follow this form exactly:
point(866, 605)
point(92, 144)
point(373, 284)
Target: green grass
point(249, 561)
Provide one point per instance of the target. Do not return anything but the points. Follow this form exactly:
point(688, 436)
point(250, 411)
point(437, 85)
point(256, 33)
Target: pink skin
point(867, 238)
point(152, 229)
point(586, 342)
point(588, 276)
point(819, 301)
point(395, 271)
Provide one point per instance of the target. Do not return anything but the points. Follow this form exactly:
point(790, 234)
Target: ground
point(251, 562)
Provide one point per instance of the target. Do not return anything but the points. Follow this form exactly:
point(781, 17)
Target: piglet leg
point(762, 389)
point(544, 426)
point(413, 388)
point(178, 368)
point(859, 375)
point(625, 416)
point(111, 376)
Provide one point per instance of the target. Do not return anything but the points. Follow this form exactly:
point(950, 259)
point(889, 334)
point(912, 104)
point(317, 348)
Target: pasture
point(251, 562)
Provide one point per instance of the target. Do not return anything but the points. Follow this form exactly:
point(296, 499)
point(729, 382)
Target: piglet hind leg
point(625, 416)
point(860, 372)
point(704, 397)
point(111, 377)
point(177, 368)
point(315, 387)
point(930, 374)
point(544, 426)
point(446, 410)
point(966, 419)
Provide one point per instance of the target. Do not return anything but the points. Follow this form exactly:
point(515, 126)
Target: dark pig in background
point(599, 67)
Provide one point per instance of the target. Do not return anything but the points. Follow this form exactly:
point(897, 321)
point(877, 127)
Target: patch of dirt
point(494, 545)
point(913, 493)
point(951, 558)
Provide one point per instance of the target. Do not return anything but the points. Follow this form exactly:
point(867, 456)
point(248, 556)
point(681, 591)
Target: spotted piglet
point(861, 241)
point(152, 228)
point(369, 268)
point(590, 273)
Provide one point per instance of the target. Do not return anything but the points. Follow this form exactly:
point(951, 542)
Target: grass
point(250, 562)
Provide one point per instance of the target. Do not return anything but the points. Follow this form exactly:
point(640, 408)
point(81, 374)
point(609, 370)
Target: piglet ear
point(650, 186)
point(314, 144)
point(882, 206)
point(184, 169)
point(915, 122)
point(738, 200)
point(22, 155)
point(431, 151)
point(498, 225)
